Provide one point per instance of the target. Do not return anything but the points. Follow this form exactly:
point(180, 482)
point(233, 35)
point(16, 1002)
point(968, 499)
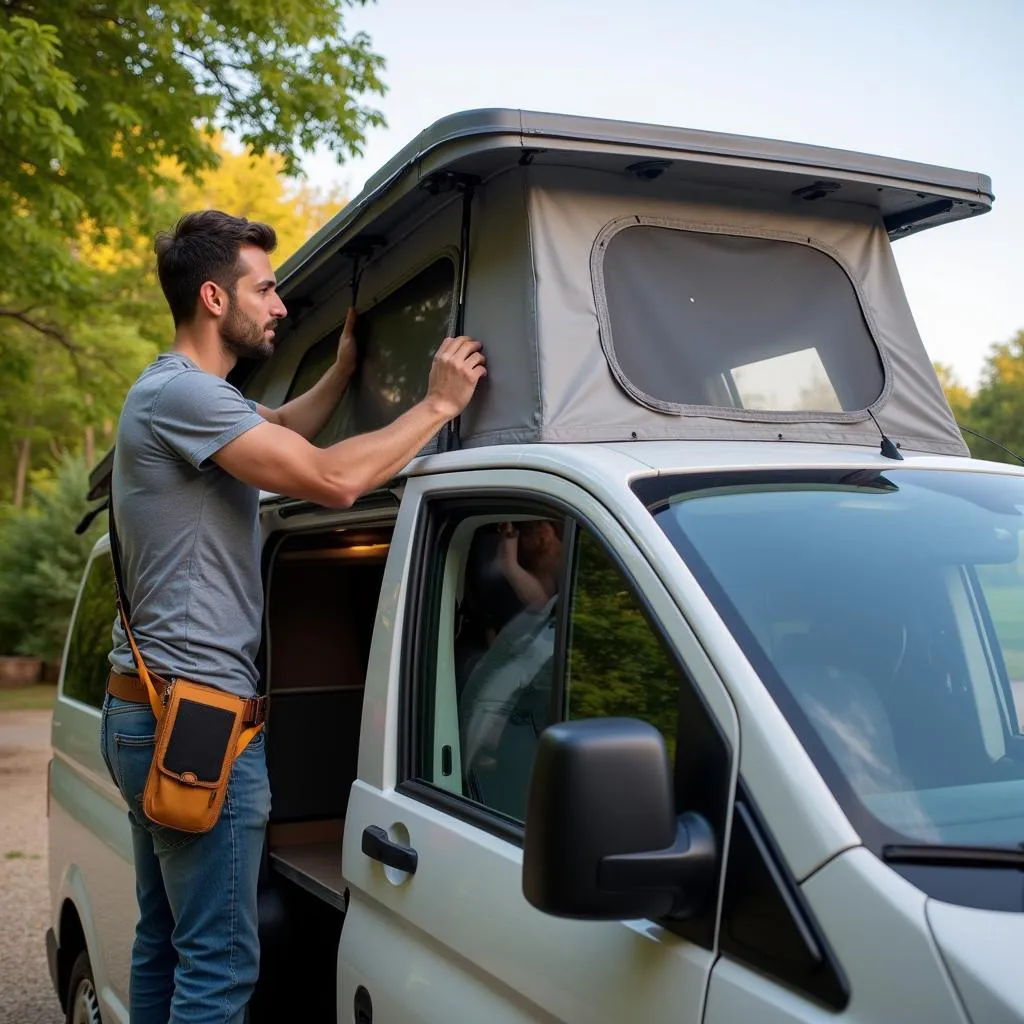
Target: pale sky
point(937, 81)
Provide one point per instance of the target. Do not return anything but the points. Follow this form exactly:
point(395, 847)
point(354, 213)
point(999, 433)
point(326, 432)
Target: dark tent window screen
point(398, 338)
point(746, 323)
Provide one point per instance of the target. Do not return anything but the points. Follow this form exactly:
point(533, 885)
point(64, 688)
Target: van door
point(513, 599)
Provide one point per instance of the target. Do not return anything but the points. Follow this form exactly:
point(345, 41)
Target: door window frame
point(439, 514)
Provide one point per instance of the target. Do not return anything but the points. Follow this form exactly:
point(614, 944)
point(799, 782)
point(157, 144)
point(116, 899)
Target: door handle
point(377, 846)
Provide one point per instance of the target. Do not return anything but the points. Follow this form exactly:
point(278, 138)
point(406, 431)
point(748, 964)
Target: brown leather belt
point(132, 688)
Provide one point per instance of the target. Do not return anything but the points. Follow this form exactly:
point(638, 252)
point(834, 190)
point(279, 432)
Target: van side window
point(534, 623)
point(86, 666)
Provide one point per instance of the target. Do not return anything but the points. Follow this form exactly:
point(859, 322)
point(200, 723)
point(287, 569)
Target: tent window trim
point(597, 256)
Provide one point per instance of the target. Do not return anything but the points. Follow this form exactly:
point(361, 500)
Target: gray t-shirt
point(189, 532)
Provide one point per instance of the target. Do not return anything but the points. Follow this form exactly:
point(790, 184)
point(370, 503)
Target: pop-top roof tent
point(629, 282)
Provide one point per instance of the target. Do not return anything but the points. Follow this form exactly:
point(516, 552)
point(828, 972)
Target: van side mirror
point(603, 840)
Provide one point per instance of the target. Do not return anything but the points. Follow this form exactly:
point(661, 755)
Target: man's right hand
point(458, 366)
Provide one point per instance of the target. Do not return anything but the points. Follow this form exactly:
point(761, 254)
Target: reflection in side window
point(398, 337)
point(617, 665)
point(505, 656)
point(498, 672)
point(86, 666)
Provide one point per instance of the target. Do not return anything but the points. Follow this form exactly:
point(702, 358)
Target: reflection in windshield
point(886, 614)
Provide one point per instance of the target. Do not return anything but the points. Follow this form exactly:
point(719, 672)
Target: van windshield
point(885, 612)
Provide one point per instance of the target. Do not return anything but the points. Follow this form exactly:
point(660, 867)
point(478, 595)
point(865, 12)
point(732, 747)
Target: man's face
point(540, 546)
point(247, 328)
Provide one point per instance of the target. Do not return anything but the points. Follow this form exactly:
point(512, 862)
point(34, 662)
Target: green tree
point(57, 399)
point(90, 115)
point(41, 563)
point(957, 395)
point(258, 187)
point(997, 408)
point(108, 113)
point(618, 666)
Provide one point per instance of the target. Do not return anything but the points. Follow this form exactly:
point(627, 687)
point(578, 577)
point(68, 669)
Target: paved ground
point(26, 994)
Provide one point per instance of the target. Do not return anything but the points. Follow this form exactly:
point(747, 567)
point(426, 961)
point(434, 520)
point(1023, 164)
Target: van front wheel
point(83, 1003)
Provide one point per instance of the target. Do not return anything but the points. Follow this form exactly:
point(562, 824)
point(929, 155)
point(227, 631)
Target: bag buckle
point(258, 713)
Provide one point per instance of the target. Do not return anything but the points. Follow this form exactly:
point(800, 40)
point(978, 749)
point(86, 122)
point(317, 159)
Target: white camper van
point(680, 681)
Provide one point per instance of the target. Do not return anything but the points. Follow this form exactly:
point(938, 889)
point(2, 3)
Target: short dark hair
point(204, 246)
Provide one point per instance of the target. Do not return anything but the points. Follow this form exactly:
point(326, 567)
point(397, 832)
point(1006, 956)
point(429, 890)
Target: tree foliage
point(109, 128)
point(997, 408)
point(91, 115)
point(58, 398)
point(618, 666)
point(957, 395)
point(41, 562)
point(258, 187)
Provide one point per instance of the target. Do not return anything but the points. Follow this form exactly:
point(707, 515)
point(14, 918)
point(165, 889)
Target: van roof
point(907, 196)
point(910, 196)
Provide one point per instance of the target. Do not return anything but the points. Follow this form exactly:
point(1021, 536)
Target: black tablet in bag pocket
point(198, 744)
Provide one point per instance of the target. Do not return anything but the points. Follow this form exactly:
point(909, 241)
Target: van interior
point(322, 590)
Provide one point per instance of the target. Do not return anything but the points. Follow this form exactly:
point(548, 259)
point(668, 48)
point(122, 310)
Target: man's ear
point(213, 298)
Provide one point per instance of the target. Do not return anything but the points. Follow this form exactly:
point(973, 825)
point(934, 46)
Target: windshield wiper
point(955, 856)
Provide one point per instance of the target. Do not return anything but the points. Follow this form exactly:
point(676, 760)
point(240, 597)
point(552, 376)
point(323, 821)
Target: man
point(506, 701)
point(190, 458)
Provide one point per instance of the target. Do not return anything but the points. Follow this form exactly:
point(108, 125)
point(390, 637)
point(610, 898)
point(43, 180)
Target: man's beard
point(244, 337)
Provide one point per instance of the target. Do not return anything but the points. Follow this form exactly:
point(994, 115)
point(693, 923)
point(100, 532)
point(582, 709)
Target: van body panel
point(73, 728)
point(464, 909)
point(428, 983)
point(378, 732)
point(877, 926)
point(740, 993)
point(89, 838)
point(102, 893)
point(467, 879)
point(671, 457)
point(91, 856)
point(982, 948)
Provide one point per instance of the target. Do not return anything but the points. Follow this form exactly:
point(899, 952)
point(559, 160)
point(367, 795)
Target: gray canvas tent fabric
point(586, 346)
point(585, 396)
point(579, 283)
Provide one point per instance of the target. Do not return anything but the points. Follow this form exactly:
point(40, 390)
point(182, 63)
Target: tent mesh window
point(397, 337)
point(752, 323)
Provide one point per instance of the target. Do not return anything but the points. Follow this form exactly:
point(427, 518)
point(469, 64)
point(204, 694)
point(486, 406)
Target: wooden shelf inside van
point(309, 854)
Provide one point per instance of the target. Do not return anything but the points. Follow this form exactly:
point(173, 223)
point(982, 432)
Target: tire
point(83, 1001)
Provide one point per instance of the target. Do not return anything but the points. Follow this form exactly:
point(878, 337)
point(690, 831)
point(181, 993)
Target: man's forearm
point(308, 413)
point(367, 461)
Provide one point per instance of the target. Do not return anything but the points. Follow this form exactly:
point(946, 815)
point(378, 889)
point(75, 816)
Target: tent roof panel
point(910, 196)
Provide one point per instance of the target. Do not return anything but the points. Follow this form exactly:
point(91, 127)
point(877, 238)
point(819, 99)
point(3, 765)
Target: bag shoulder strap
point(124, 611)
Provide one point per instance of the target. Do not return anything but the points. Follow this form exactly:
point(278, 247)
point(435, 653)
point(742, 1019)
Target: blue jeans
point(195, 959)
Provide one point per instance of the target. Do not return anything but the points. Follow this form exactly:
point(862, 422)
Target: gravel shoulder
point(26, 994)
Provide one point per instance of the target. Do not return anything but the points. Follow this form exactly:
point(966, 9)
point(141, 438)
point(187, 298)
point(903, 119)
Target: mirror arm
point(684, 871)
